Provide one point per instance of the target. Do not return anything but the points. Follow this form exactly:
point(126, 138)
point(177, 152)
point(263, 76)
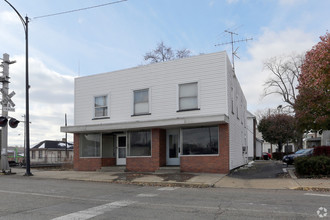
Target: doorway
point(173, 147)
point(121, 149)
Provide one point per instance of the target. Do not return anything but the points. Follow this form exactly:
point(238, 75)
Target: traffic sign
point(8, 109)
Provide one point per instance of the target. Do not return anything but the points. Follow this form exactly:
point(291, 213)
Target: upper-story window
point(141, 102)
point(188, 96)
point(100, 106)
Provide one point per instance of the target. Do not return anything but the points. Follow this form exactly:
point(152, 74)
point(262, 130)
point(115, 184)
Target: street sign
point(8, 109)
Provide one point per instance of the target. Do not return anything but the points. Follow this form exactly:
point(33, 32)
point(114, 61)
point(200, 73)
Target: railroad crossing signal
point(7, 103)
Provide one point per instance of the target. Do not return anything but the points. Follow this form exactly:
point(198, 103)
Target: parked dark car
point(12, 163)
point(289, 159)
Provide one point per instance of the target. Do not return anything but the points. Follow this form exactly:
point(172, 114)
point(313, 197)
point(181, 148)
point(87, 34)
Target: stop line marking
point(147, 195)
point(168, 188)
point(314, 194)
point(95, 211)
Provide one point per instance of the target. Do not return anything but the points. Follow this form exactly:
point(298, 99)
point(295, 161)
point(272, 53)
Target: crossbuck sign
point(7, 100)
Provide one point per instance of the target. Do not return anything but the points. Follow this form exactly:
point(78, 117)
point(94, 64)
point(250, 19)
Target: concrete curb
point(311, 188)
point(202, 181)
point(140, 183)
point(304, 188)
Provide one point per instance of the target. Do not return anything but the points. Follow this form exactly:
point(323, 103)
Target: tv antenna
point(232, 42)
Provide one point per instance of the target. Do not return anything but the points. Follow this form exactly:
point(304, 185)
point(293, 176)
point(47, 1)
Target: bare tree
point(182, 53)
point(163, 53)
point(284, 80)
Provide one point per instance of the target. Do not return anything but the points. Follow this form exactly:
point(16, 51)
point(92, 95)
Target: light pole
point(27, 86)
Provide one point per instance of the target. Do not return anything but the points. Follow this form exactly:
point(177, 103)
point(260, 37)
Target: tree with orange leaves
point(312, 106)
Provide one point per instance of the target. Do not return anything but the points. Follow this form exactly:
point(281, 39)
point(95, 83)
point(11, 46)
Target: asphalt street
point(32, 198)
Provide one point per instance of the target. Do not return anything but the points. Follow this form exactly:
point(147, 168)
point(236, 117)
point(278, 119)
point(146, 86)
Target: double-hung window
point(188, 96)
point(100, 106)
point(141, 102)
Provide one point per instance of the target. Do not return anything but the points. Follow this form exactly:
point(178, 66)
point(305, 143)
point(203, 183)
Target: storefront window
point(200, 141)
point(90, 145)
point(139, 143)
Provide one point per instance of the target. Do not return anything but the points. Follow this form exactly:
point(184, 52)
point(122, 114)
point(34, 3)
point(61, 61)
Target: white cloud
point(51, 92)
point(51, 96)
point(250, 71)
point(9, 17)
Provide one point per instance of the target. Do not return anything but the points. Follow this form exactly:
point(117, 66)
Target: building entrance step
point(113, 169)
point(168, 169)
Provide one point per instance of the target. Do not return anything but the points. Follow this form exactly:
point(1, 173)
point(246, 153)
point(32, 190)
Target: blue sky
point(117, 36)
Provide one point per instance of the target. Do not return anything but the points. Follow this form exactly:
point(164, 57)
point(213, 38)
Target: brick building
point(189, 112)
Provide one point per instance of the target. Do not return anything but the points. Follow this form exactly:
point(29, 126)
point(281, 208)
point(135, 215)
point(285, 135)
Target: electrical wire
point(80, 9)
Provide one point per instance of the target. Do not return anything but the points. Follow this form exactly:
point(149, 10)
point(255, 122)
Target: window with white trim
point(188, 96)
point(100, 106)
point(141, 102)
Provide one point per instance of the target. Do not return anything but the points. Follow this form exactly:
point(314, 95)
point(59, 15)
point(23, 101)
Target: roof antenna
point(232, 42)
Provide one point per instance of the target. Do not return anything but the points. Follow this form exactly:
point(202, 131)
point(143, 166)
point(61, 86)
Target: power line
point(80, 9)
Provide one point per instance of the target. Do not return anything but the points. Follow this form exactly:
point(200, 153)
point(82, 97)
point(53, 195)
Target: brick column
point(158, 154)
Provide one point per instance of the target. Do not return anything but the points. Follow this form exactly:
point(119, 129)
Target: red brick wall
point(162, 147)
point(210, 164)
point(158, 154)
point(106, 162)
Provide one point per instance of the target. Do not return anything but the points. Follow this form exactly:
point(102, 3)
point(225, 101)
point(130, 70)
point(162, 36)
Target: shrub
point(322, 150)
point(312, 166)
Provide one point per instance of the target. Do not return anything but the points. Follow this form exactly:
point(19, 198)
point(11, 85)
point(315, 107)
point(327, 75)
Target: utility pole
point(232, 42)
point(24, 145)
point(25, 23)
point(7, 105)
point(66, 138)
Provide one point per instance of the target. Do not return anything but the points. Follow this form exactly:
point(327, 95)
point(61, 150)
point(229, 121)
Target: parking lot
point(262, 169)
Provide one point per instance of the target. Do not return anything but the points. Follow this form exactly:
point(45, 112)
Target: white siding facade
point(220, 100)
point(237, 120)
point(162, 80)
point(250, 131)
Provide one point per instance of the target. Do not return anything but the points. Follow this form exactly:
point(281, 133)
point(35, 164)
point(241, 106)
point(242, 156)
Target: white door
point(121, 149)
point(172, 147)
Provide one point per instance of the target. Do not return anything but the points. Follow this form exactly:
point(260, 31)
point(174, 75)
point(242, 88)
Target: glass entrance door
point(121, 149)
point(172, 147)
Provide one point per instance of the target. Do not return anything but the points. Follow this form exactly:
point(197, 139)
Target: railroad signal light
point(3, 121)
point(13, 123)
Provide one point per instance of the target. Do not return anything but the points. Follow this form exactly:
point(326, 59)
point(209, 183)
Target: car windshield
point(302, 151)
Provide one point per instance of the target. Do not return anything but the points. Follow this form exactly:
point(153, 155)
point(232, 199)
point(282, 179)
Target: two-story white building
point(189, 112)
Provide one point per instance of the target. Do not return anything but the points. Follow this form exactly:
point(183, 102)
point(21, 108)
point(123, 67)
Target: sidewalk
point(199, 180)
